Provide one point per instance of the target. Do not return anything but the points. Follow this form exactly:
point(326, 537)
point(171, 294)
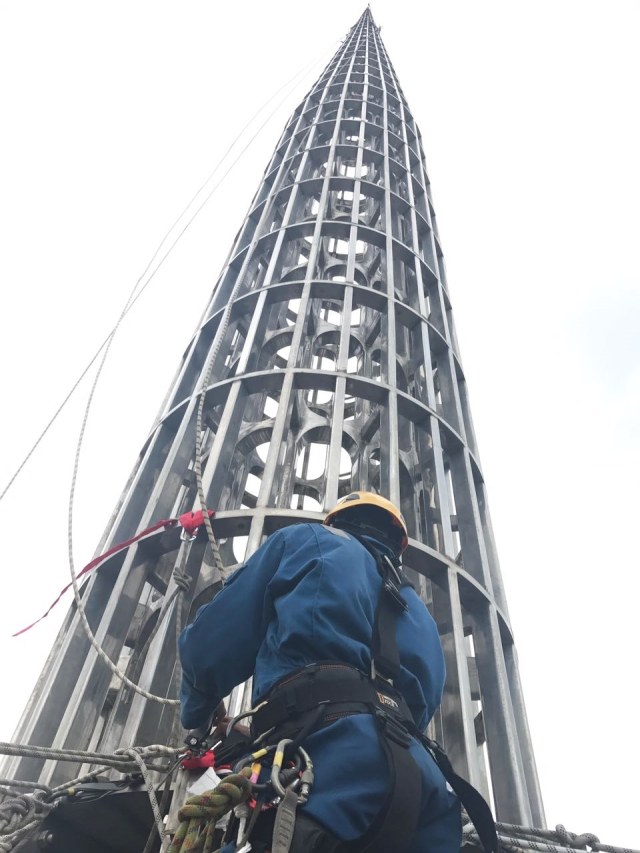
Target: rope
point(57, 412)
point(214, 545)
point(16, 783)
point(166, 796)
point(183, 584)
point(134, 753)
point(19, 817)
point(21, 814)
point(199, 815)
point(51, 421)
point(558, 840)
point(220, 333)
point(121, 759)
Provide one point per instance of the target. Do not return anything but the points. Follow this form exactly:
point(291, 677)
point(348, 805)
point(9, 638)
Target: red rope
point(190, 521)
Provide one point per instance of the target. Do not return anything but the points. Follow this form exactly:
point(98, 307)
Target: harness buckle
point(392, 728)
point(378, 676)
point(392, 591)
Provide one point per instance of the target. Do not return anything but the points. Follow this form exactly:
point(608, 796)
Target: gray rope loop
point(19, 816)
point(182, 580)
point(572, 839)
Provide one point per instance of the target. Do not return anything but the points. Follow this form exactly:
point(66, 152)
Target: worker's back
point(310, 594)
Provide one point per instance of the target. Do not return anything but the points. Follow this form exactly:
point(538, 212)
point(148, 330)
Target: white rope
point(163, 700)
point(21, 814)
point(155, 808)
point(220, 333)
point(131, 302)
point(558, 840)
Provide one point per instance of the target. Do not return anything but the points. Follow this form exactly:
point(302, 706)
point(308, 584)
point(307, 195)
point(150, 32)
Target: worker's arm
point(218, 650)
point(422, 680)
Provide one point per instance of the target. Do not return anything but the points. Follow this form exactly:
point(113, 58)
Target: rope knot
point(572, 839)
point(20, 815)
point(183, 581)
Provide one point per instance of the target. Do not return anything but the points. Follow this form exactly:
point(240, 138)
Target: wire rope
point(132, 300)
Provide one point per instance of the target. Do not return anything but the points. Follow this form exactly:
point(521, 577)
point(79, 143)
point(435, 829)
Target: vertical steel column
point(339, 370)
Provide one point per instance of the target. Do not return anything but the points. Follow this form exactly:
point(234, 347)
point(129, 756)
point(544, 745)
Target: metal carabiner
point(304, 782)
point(276, 767)
point(188, 537)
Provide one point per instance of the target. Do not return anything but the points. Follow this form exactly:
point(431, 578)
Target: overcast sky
point(115, 113)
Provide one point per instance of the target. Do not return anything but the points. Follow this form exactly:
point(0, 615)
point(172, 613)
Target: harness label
point(388, 701)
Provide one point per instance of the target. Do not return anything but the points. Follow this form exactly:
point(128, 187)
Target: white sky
point(114, 114)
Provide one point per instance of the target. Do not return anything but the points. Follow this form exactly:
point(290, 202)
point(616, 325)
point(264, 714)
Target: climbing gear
point(199, 815)
point(340, 690)
point(285, 787)
point(365, 499)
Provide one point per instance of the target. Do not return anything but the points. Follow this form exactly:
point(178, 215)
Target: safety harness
point(323, 692)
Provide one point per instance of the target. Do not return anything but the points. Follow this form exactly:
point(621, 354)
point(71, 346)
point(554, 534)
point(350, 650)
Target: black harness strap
point(473, 801)
point(342, 689)
point(396, 822)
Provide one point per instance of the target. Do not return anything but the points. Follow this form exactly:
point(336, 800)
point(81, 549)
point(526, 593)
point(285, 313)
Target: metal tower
point(338, 370)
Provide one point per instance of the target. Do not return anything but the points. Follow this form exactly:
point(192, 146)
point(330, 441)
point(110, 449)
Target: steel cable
point(231, 146)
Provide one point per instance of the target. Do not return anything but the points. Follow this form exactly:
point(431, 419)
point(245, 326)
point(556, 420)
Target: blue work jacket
point(309, 594)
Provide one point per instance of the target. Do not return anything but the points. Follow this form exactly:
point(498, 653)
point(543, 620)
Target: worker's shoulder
point(302, 531)
point(314, 531)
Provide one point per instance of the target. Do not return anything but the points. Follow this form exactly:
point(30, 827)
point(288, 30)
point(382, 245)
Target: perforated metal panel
point(339, 371)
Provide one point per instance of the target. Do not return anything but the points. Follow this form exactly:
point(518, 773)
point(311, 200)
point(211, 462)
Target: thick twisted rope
point(558, 840)
point(155, 808)
point(199, 815)
point(121, 759)
point(21, 814)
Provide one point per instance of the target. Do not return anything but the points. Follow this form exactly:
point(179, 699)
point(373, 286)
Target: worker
point(312, 608)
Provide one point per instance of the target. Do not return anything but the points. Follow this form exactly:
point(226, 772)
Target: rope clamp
point(191, 522)
point(198, 762)
point(188, 536)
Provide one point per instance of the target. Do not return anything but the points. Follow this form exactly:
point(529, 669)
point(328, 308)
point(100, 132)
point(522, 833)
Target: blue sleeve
point(422, 682)
point(218, 650)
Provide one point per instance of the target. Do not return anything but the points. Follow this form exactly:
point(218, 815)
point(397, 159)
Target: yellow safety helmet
point(355, 499)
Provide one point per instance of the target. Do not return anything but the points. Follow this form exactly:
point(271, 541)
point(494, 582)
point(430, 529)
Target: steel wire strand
point(163, 700)
point(131, 300)
point(51, 421)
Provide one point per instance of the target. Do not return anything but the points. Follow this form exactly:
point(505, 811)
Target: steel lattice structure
point(339, 370)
